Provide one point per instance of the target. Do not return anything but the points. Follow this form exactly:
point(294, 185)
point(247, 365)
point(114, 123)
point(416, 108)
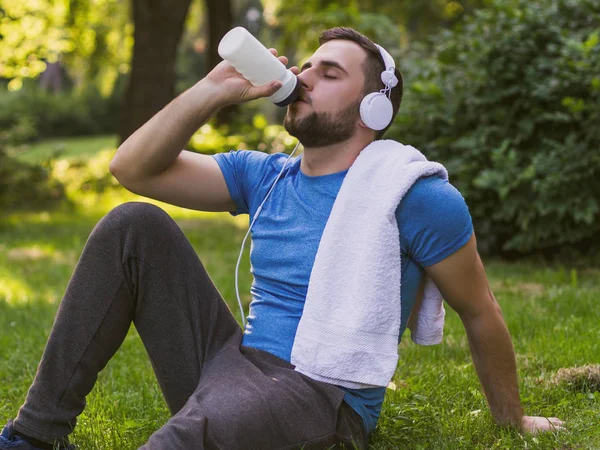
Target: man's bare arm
point(463, 283)
point(151, 161)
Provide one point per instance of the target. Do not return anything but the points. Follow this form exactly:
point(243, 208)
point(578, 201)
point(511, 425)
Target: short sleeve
point(434, 221)
point(243, 171)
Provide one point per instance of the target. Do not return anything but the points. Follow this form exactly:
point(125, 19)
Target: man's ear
point(362, 125)
point(360, 121)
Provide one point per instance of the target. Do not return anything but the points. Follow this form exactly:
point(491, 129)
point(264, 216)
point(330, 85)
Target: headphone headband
point(389, 76)
point(387, 58)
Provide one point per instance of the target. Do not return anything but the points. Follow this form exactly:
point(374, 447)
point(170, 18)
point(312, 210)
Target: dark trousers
point(137, 266)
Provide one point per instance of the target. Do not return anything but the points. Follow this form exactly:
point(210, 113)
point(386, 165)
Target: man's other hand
point(535, 425)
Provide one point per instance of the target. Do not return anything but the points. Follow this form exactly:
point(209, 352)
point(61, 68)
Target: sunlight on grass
point(17, 288)
point(13, 290)
point(100, 204)
point(40, 252)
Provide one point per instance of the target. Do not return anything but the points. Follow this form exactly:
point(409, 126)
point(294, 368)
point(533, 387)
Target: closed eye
point(330, 77)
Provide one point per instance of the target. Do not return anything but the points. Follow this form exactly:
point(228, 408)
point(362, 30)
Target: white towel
point(349, 330)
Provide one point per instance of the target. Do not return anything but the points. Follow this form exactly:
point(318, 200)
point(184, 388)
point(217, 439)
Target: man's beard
point(320, 129)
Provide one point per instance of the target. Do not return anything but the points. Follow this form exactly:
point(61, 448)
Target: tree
point(158, 25)
point(388, 22)
point(219, 18)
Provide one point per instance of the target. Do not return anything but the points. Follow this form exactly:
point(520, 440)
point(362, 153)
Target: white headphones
point(376, 108)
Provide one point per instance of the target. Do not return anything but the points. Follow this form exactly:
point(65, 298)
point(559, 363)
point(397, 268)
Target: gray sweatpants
point(137, 266)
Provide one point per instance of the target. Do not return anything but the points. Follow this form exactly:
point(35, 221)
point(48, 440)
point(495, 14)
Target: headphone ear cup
point(376, 111)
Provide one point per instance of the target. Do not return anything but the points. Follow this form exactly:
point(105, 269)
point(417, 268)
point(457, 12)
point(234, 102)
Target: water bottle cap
point(288, 92)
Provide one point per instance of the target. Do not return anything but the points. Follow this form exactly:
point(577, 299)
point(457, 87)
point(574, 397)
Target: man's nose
point(306, 79)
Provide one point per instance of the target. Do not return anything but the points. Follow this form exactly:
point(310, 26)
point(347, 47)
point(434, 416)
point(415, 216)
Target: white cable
point(259, 209)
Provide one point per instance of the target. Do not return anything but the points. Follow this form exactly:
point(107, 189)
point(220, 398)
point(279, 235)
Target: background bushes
point(23, 186)
point(510, 103)
point(508, 99)
point(33, 113)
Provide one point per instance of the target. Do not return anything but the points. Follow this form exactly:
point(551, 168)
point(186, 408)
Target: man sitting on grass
point(333, 289)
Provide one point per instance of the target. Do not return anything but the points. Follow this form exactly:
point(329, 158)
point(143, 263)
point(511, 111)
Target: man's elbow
point(482, 311)
point(118, 168)
point(114, 167)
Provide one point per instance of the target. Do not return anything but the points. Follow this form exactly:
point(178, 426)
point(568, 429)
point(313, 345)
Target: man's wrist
point(507, 411)
point(206, 95)
point(515, 419)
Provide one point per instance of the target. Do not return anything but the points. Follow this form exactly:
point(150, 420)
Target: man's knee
point(136, 214)
point(140, 212)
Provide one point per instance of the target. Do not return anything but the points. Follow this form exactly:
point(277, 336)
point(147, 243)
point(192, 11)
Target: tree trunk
point(220, 20)
point(158, 28)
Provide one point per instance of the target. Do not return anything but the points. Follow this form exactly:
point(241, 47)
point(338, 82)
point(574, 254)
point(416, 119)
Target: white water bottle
point(258, 65)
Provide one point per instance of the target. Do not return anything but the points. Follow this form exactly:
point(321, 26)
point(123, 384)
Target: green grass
point(552, 314)
point(67, 147)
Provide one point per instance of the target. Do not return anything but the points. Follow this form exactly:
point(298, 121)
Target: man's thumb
point(271, 88)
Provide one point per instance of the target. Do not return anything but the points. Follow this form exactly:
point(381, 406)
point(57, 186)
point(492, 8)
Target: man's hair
point(373, 66)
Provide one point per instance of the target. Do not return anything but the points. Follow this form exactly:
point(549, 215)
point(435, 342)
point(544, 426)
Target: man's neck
point(332, 158)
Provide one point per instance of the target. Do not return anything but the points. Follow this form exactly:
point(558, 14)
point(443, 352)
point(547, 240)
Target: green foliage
point(387, 22)
point(92, 38)
point(23, 186)
point(303, 21)
point(510, 103)
point(48, 179)
point(250, 130)
point(28, 114)
point(82, 176)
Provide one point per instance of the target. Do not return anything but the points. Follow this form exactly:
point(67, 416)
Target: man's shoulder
point(430, 191)
point(434, 220)
point(253, 162)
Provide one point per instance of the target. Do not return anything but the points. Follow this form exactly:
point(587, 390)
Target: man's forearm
point(154, 146)
point(494, 359)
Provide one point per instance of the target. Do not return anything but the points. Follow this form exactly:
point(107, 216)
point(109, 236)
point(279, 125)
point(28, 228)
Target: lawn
point(434, 402)
point(80, 147)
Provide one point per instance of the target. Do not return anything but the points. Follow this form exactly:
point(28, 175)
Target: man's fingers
point(266, 90)
point(274, 87)
point(539, 424)
point(556, 422)
point(283, 59)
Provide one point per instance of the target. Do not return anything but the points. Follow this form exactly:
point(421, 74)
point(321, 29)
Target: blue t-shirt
point(433, 220)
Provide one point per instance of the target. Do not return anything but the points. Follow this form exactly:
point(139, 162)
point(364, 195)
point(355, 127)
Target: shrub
point(510, 103)
point(249, 130)
point(23, 186)
point(43, 114)
point(81, 177)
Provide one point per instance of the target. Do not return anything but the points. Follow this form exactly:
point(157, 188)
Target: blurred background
point(505, 93)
